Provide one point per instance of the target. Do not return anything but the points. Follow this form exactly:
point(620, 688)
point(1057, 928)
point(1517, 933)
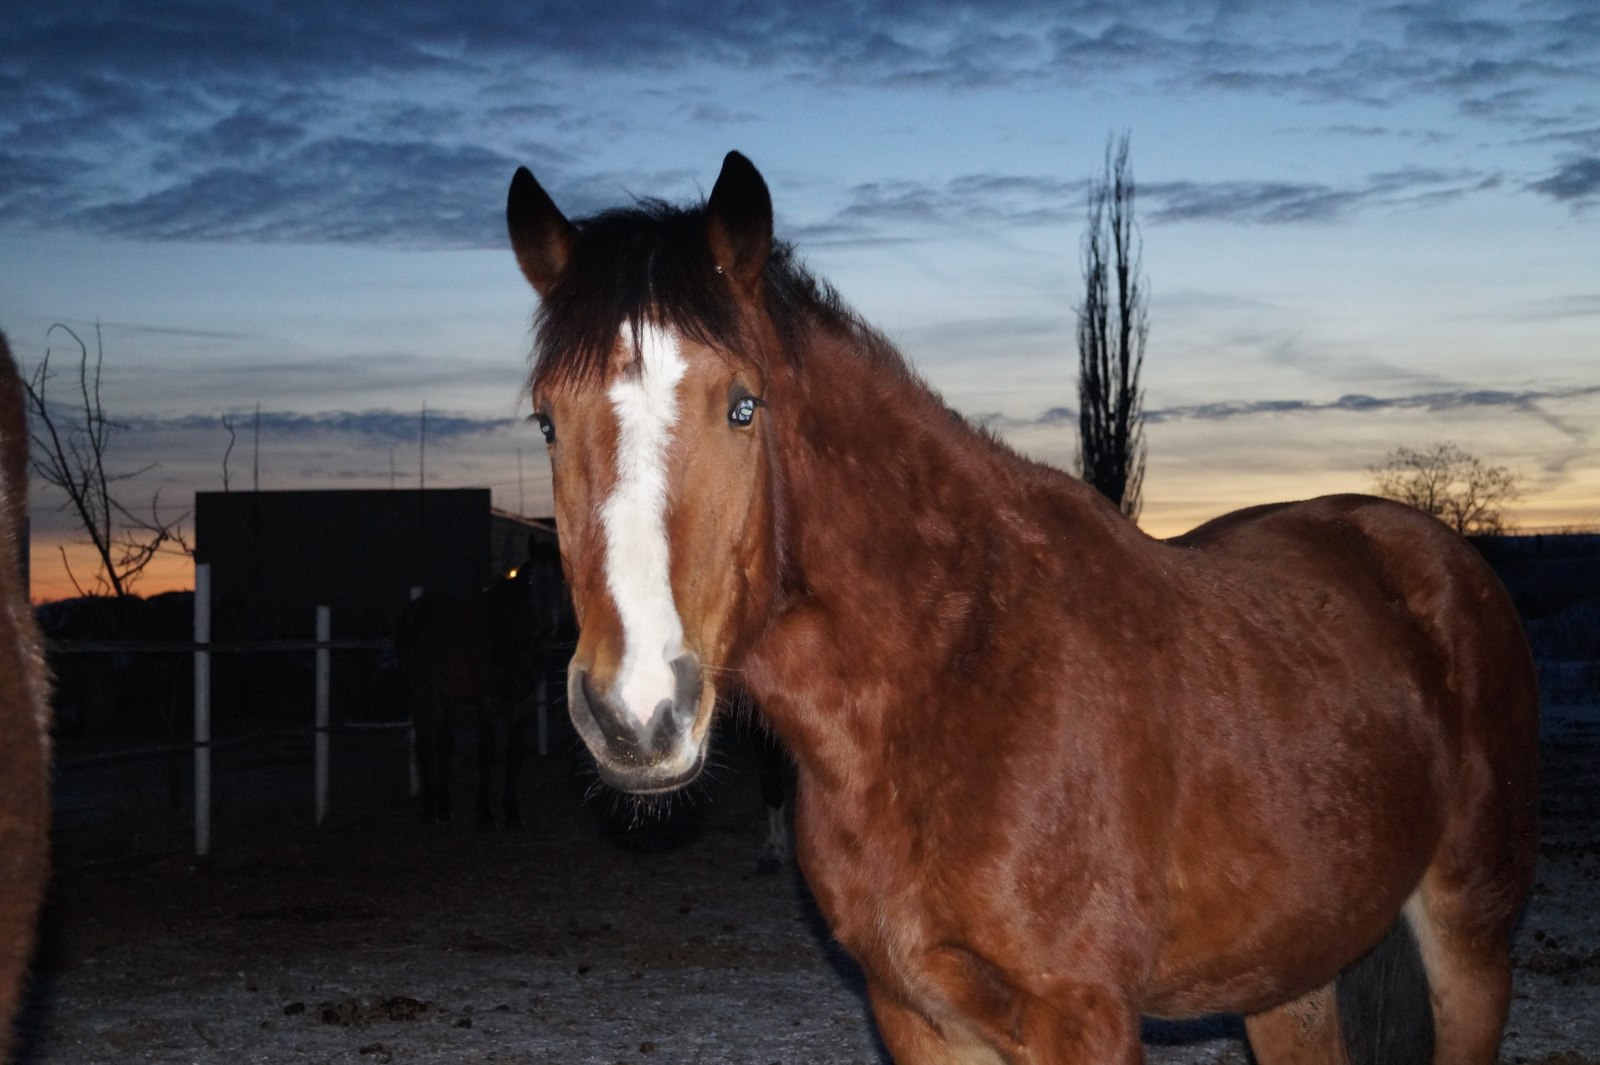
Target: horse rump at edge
point(24, 716)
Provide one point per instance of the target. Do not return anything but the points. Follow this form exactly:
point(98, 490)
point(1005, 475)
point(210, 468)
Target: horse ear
point(540, 234)
point(739, 222)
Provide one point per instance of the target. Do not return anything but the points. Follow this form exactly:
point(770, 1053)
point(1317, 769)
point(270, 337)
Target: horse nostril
point(610, 718)
point(687, 684)
point(615, 733)
point(660, 735)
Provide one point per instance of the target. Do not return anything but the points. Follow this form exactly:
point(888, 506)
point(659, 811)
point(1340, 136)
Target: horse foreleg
point(775, 851)
point(516, 730)
point(1076, 1024)
point(430, 751)
point(439, 750)
point(911, 1037)
point(774, 773)
point(486, 744)
point(1304, 1031)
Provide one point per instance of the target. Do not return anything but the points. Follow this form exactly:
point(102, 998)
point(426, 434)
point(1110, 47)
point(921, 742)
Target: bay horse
point(24, 716)
point(1052, 774)
point(485, 654)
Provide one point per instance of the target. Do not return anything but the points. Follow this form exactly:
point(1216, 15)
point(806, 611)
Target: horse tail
point(1384, 1008)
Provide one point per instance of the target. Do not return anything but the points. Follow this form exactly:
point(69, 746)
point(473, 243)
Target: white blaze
point(638, 572)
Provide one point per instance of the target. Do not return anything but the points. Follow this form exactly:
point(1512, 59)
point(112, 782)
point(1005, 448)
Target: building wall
point(1545, 574)
point(275, 556)
point(510, 536)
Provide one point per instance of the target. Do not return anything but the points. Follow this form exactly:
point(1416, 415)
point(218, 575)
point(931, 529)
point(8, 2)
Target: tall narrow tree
point(1112, 329)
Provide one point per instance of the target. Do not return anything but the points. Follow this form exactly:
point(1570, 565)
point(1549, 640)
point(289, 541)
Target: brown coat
point(24, 716)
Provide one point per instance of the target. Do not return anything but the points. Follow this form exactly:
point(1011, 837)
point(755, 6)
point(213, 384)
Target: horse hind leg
point(431, 750)
point(1377, 1011)
point(440, 753)
point(1454, 940)
point(1466, 908)
point(486, 759)
point(1468, 959)
point(1437, 989)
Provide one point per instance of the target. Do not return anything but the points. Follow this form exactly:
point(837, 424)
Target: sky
point(1364, 225)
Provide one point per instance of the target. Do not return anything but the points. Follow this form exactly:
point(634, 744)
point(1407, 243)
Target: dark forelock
point(652, 263)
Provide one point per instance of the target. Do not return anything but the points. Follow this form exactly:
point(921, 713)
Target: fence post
point(202, 710)
point(414, 767)
point(324, 676)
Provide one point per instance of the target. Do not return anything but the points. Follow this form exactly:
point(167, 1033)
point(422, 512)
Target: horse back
point(24, 713)
point(1409, 577)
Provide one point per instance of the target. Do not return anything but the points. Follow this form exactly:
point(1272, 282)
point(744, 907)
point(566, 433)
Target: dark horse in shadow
point(1052, 773)
point(24, 716)
point(485, 654)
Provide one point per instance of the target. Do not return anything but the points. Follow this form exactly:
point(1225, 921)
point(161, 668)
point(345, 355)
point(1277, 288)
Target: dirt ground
point(582, 938)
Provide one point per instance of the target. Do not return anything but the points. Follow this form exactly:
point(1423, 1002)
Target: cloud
point(386, 426)
point(712, 115)
point(1558, 308)
point(876, 212)
point(1440, 402)
point(1576, 182)
point(247, 134)
point(882, 212)
point(178, 331)
point(1583, 138)
point(1285, 202)
point(1433, 402)
point(338, 191)
point(1249, 201)
point(1331, 49)
point(370, 123)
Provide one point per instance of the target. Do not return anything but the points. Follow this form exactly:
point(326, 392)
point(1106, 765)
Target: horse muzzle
point(636, 753)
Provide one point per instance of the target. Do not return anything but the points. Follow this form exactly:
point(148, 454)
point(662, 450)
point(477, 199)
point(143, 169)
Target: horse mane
point(651, 263)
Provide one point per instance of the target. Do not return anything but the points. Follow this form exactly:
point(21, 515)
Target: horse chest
point(859, 868)
point(886, 898)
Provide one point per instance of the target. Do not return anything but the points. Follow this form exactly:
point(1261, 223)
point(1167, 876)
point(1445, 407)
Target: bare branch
point(69, 452)
point(1454, 486)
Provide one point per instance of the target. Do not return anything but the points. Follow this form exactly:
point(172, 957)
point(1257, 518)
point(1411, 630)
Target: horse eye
point(547, 427)
point(743, 411)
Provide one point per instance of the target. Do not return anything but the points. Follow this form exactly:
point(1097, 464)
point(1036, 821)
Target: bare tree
point(70, 443)
point(1458, 488)
point(1112, 328)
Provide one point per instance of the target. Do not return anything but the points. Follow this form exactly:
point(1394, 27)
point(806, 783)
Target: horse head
point(650, 383)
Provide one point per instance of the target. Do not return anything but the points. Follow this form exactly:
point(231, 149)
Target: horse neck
point(907, 537)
